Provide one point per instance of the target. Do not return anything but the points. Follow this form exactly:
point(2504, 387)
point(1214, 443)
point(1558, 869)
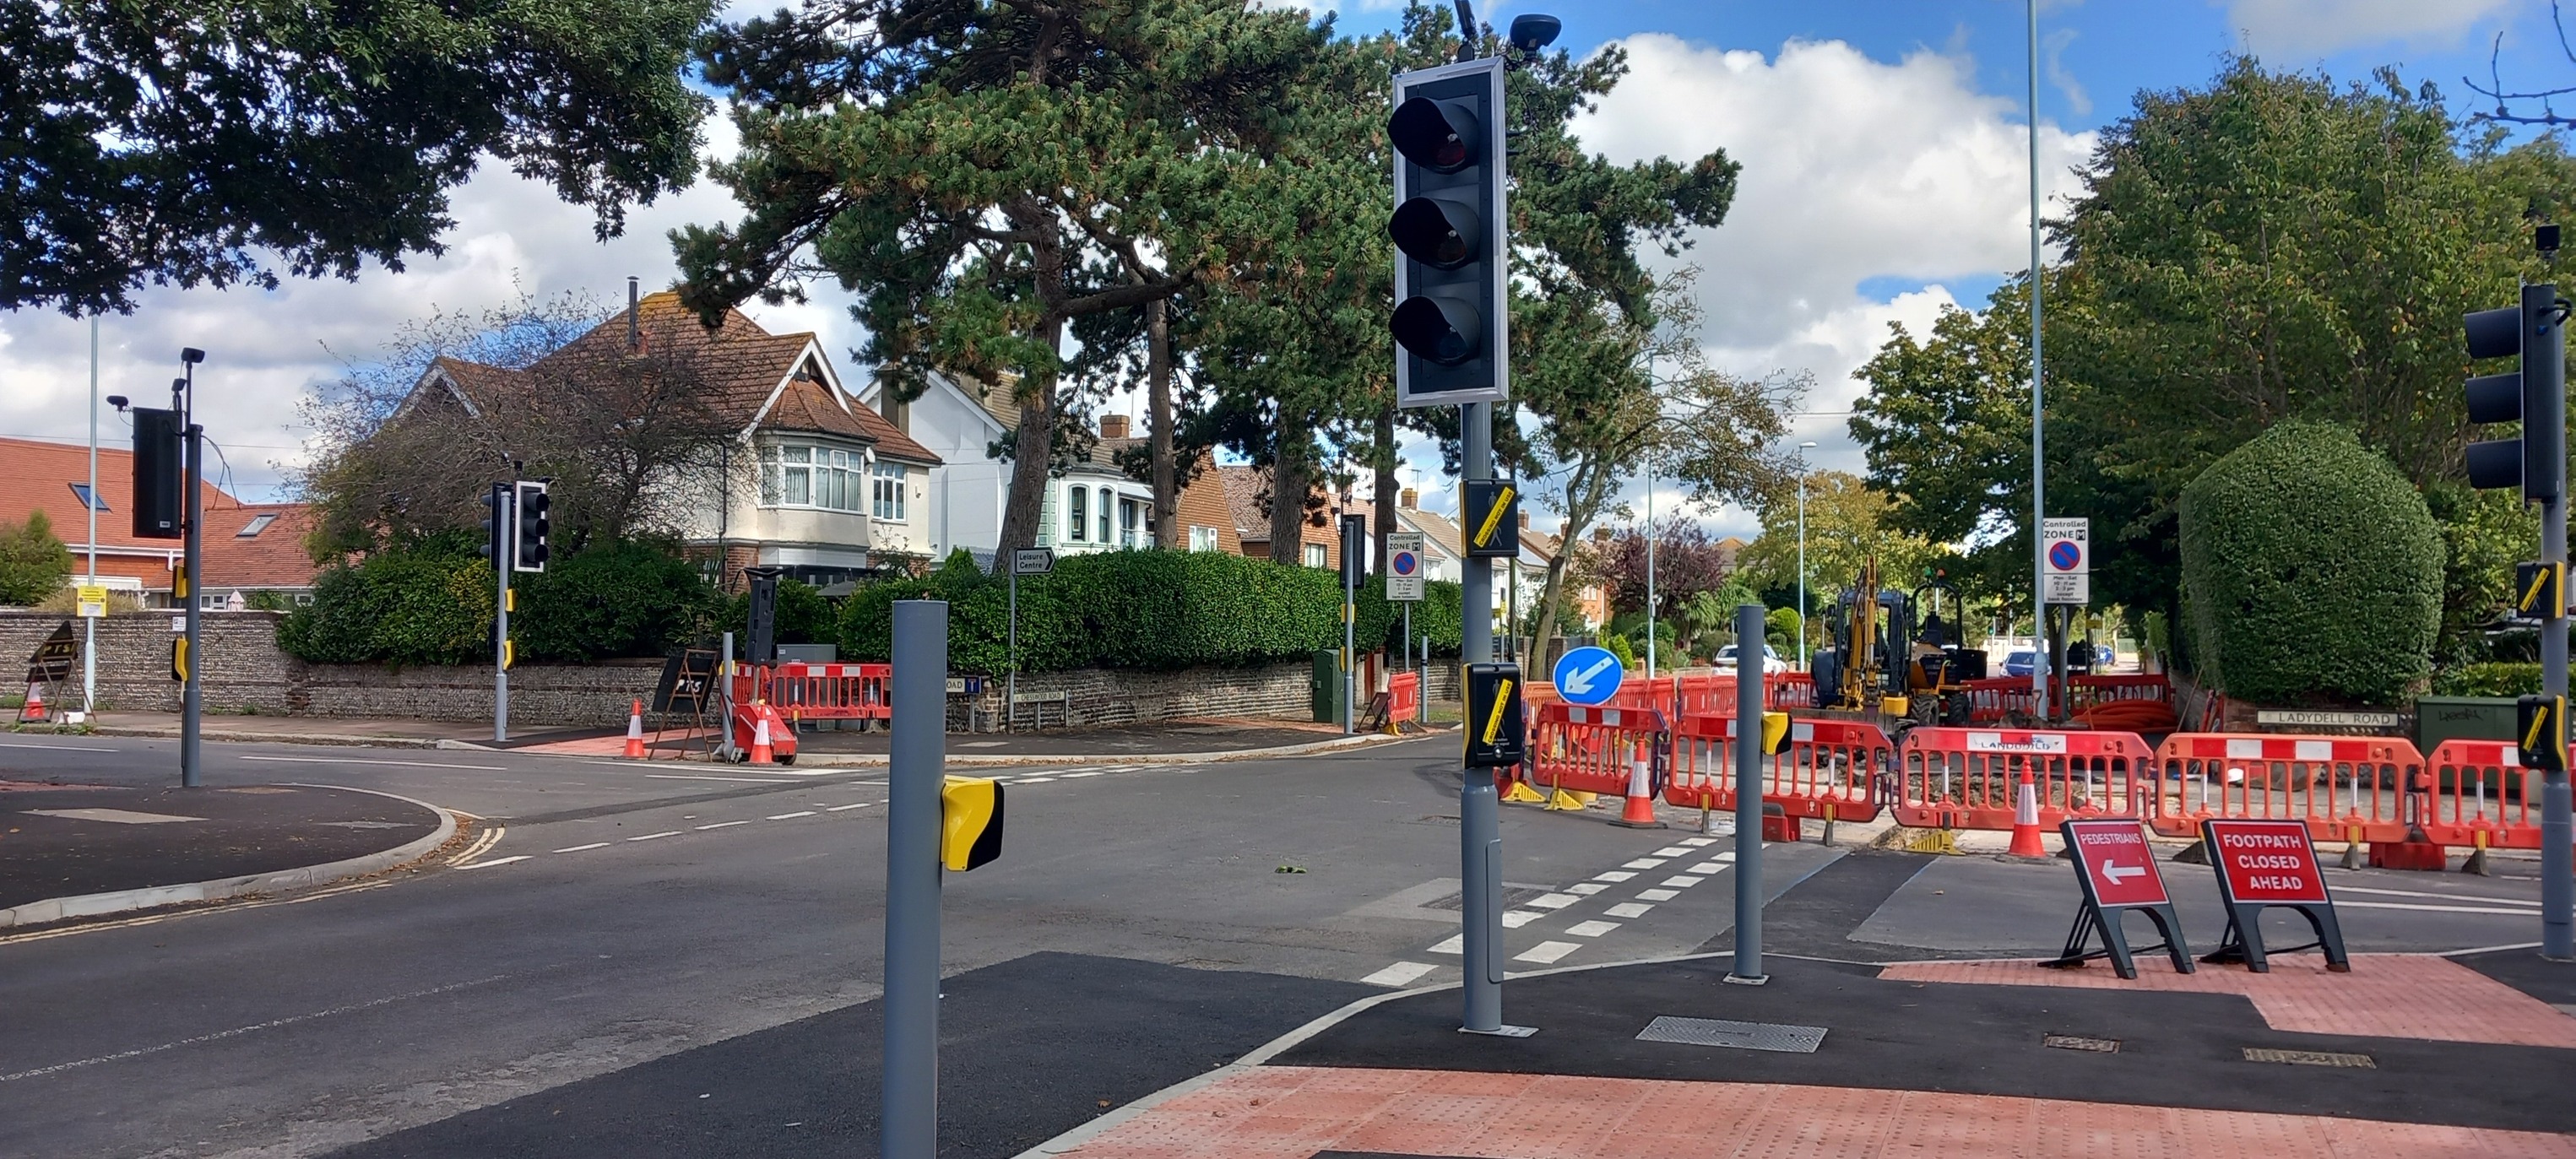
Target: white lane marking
point(651, 836)
point(254, 1028)
point(1546, 952)
point(1591, 929)
point(717, 825)
point(1658, 894)
point(1728, 855)
point(2479, 897)
point(1399, 974)
point(1683, 882)
point(1085, 773)
point(1672, 851)
point(793, 816)
point(356, 761)
point(1644, 863)
point(1514, 919)
point(1708, 867)
point(1590, 887)
point(1552, 901)
point(1613, 875)
point(482, 845)
point(696, 777)
point(1032, 780)
point(39, 744)
point(2447, 909)
point(847, 808)
point(1698, 842)
point(583, 848)
point(1628, 909)
point(1453, 944)
point(494, 861)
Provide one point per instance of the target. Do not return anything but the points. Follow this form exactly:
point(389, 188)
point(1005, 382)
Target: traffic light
point(1355, 547)
point(1496, 738)
point(496, 525)
point(2540, 727)
point(2533, 394)
point(2540, 590)
point(970, 822)
point(1449, 232)
point(160, 475)
point(1493, 522)
point(529, 553)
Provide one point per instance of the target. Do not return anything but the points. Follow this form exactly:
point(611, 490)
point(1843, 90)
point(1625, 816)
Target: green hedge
point(2311, 571)
point(1161, 610)
point(433, 605)
point(803, 615)
point(2496, 679)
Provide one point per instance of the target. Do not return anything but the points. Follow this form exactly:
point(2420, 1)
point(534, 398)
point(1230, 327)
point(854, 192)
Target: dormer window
point(257, 524)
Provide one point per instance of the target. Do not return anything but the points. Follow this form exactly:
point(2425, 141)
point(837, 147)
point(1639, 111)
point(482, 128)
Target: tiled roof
point(37, 476)
point(1245, 488)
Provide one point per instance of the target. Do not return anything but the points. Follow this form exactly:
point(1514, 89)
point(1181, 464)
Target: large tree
point(1847, 525)
point(158, 143)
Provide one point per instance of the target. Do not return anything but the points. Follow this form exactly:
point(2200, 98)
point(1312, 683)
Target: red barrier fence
point(802, 691)
point(2481, 796)
point(1832, 769)
point(1966, 778)
point(2084, 692)
point(1989, 700)
point(2341, 786)
point(1593, 750)
point(1404, 696)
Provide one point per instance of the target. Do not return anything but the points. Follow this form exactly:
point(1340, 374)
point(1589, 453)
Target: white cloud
point(2054, 46)
point(265, 349)
point(2315, 28)
point(1854, 169)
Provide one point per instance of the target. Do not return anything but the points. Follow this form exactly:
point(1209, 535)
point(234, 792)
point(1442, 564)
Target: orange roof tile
point(37, 476)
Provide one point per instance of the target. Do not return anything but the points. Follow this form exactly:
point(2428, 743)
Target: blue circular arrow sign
point(1588, 675)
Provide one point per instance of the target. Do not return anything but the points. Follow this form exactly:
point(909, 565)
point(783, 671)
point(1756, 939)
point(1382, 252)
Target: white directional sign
point(2066, 555)
point(1404, 565)
point(1032, 561)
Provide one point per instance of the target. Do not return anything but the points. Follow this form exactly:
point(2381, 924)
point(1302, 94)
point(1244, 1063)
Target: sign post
point(1024, 561)
point(2262, 864)
point(2117, 869)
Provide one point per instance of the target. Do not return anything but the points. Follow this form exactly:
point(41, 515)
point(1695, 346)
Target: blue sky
point(1884, 144)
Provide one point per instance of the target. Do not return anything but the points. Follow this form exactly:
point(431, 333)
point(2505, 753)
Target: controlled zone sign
point(1588, 675)
point(1403, 566)
point(2066, 553)
point(2262, 864)
point(2117, 870)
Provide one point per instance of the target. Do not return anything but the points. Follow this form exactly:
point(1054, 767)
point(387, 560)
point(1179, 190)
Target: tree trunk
point(1158, 385)
point(1385, 485)
point(1031, 449)
point(1288, 487)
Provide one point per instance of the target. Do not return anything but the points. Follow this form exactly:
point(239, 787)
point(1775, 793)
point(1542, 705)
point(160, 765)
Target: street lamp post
point(1650, 565)
point(1803, 662)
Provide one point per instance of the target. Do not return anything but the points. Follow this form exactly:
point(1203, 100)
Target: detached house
point(808, 478)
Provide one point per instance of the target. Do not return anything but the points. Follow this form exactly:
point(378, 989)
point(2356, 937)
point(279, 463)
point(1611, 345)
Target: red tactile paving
point(2385, 995)
point(1293, 1112)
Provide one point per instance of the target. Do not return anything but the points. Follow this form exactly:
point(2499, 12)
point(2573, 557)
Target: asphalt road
point(641, 936)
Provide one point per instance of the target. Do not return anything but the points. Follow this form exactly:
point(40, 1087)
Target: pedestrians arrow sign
point(1588, 675)
point(2117, 866)
point(2119, 873)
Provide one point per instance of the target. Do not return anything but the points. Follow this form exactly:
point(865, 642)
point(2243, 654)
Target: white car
point(1772, 664)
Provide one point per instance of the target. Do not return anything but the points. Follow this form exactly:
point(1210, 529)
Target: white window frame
point(831, 477)
point(1108, 526)
point(887, 483)
point(1078, 513)
point(1203, 538)
point(1315, 556)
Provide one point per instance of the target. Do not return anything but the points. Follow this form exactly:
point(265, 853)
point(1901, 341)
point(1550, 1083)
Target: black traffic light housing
point(535, 523)
point(1493, 519)
point(160, 475)
point(2533, 394)
point(1496, 736)
point(1355, 547)
point(497, 523)
point(1451, 266)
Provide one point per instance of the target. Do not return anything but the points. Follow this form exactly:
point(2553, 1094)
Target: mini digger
point(1878, 660)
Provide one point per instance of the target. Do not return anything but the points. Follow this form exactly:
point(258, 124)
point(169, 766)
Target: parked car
point(2020, 663)
point(1772, 664)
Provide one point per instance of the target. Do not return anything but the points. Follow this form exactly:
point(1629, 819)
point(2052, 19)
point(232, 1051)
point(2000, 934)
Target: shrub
point(33, 564)
point(2497, 679)
point(804, 616)
point(432, 604)
point(2311, 571)
point(619, 599)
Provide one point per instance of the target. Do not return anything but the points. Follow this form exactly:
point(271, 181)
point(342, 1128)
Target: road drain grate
point(2309, 1057)
point(1741, 1035)
point(2078, 1042)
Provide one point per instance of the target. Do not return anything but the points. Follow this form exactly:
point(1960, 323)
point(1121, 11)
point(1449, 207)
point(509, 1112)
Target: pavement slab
point(72, 840)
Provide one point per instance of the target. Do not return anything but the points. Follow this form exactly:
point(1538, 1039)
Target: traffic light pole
point(916, 765)
point(505, 537)
point(192, 700)
point(2545, 358)
point(1480, 898)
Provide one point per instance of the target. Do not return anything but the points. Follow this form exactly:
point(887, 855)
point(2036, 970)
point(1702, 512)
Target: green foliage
point(2311, 571)
point(2490, 679)
point(33, 564)
point(623, 599)
point(433, 605)
point(1160, 610)
point(1621, 648)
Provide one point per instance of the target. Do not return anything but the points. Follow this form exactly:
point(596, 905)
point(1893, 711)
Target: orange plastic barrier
point(803, 691)
point(1833, 769)
point(1593, 750)
point(2339, 785)
point(1990, 699)
point(1968, 778)
point(1404, 696)
point(1789, 690)
point(2085, 691)
point(2480, 795)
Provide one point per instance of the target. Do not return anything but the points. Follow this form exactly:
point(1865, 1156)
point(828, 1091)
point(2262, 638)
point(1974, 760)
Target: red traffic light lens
point(1438, 138)
point(1434, 331)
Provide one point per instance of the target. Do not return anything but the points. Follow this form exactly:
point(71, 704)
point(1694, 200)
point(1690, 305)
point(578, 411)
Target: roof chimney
point(1113, 426)
point(1408, 499)
point(1525, 521)
point(1600, 535)
point(634, 300)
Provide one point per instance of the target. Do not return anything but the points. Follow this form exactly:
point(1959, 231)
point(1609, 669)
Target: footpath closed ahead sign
point(2117, 871)
point(2262, 864)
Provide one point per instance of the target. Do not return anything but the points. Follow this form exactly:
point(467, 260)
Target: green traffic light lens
point(1436, 334)
point(1433, 232)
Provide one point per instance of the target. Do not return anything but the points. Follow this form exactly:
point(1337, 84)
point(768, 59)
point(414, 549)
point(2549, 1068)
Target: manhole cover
point(2309, 1057)
point(2078, 1042)
point(1741, 1035)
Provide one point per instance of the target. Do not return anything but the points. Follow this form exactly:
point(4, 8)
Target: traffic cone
point(1640, 810)
point(2025, 834)
point(34, 710)
point(760, 740)
point(635, 733)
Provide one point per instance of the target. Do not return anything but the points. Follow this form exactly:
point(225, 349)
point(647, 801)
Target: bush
point(2311, 571)
point(2488, 680)
point(621, 599)
point(33, 564)
point(804, 616)
point(1161, 610)
point(433, 605)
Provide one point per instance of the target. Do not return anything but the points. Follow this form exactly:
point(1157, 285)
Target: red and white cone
point(1639, 812)
point(2025, 834)
point(34, 711)
point(635, 733)
point(760, 754)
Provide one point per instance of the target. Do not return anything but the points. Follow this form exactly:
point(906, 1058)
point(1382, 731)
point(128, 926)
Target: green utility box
point(1327, 690)
point(2441, 718)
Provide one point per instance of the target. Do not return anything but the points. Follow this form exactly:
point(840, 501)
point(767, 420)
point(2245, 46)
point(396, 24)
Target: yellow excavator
point(1941, 663)
point(1854, 671)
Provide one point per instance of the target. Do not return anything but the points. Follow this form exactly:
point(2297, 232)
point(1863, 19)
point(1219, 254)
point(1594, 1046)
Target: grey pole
point(724, 702)
point(192, 705)
point(2038, 495)
point(1350, 661)
point(918, 754)
point(2545, 358)
point(1748, 801)
point(1805, 664)
point(505, 546)
point(89, 626)
point(1011, 676)
point(1480, 850)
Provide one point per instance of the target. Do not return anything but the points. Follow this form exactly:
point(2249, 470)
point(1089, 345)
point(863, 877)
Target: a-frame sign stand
point(2262, 864)
point(2117, 869)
